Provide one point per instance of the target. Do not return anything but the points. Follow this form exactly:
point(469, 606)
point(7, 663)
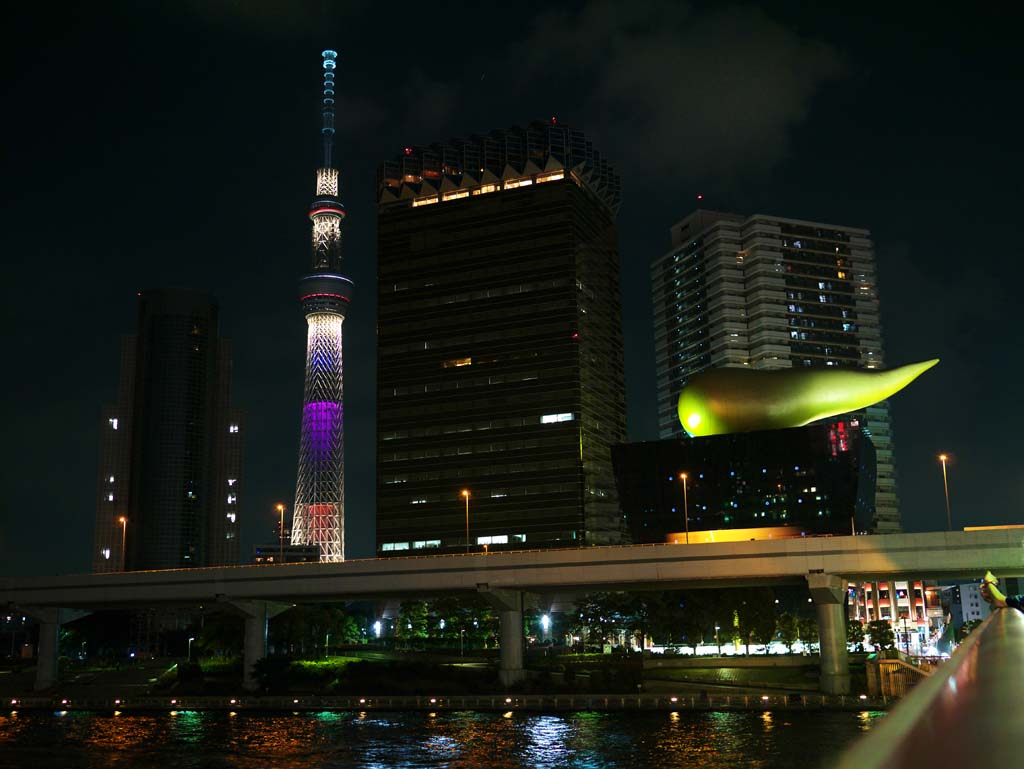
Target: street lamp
point(327, 646)
point(124, 532)
point(943, 458)
point(280, 532)
point(545, 625)
point(717, 642)
point(190, 640)
point(465, 495)
point(686, 508)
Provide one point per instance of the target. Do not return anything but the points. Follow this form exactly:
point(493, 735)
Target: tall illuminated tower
point(319, 512)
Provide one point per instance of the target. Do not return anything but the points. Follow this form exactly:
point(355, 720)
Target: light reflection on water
point(453, 740)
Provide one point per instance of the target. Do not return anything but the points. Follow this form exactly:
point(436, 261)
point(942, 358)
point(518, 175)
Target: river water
point(377, 740)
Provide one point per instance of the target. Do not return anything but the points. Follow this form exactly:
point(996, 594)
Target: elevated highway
point(257, 592)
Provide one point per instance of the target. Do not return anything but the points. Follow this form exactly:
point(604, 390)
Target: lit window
point(424, 543)
point(395, 546)
point(497, 539)
point(425, 201)
point(231, 428)
point(110, 497)
point(457, 362)
point(232, 498)
point(455, 195)
point(483, 189)
point(231, 517)
point(552, 177)
point(232, 481)
point(518, 537)
point(113, 423)
point(419, 502)
point(547, 419)
point(105, 552)
point(513, 183)
point(110, 479)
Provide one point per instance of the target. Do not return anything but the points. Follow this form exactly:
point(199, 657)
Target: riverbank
point(495, 702)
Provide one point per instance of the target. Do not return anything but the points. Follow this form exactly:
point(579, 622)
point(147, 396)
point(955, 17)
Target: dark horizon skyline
point(177, 146)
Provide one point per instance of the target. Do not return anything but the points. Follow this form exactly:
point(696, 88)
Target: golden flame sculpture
point(738, 400)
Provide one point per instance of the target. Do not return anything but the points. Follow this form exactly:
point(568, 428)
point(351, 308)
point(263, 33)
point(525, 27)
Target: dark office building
point(818, 479)
point(170, 449)
point(499, 344)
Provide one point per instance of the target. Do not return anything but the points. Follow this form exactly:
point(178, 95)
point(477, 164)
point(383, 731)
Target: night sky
point(175, 144)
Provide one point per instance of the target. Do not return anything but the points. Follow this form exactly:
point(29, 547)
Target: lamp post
point(686, 508)
point(190, 640)
point(124, 533)
point(717, 642)
point(943, 458)
point(327, 646)
point(465, 495)
point(280, 532)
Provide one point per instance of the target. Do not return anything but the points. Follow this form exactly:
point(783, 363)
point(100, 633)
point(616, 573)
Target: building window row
point(484, 189)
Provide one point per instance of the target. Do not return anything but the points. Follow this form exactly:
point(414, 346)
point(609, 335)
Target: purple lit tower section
point(319, 512)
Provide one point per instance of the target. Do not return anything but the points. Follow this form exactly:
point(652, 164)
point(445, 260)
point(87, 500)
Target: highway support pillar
point(829, 595)
point(509, 605)
point(256, 615)
point(50, 619)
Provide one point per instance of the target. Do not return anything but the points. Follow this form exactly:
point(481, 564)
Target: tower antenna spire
point(327, 105)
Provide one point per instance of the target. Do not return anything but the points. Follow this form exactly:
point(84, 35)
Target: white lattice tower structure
point(319, 512)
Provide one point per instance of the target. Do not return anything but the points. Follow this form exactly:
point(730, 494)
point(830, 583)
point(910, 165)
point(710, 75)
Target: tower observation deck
point(319, 512)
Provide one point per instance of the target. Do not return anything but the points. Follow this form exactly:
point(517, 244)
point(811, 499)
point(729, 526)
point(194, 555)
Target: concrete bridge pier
point(829, 595)
point(49, 619)
point(509, 604)
point(256, 615)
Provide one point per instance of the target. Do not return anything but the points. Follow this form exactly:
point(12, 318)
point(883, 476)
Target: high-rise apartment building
point(170, 449)
point(769, 292)
point(500, 379)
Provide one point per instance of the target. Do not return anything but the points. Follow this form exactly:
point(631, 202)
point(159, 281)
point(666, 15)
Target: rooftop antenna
point(327, 129)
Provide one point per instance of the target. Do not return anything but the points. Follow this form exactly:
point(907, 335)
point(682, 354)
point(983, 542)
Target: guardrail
point(967, 713)
point(894, 678)
point(484, 702)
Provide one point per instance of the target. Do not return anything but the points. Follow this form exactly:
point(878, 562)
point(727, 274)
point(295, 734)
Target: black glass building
point(818, 479)
point(500, 378)
point(170, 449)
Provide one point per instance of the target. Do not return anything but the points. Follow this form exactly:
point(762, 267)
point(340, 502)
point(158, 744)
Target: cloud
point(715, 92)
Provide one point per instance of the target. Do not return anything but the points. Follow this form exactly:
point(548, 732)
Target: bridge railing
point(967, 713)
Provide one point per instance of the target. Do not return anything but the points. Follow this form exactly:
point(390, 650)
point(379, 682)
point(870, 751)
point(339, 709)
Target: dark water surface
point(375, 740)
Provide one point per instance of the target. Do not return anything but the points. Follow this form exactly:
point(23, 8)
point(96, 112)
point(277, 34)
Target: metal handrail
point(967, 713)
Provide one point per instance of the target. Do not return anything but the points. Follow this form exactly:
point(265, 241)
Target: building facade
point(500, 375)
point(769, 292)
point(801, 481)
point(170, 448)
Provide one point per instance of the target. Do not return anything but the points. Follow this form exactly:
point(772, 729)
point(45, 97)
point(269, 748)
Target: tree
point(756, 617)
point(412, 621)
point(703, 611)
point(880, 632)
point(855, 633)
point(665, 622)
point(968, 628)
point(787, 629)
point(808, 629)
point(307, 627)
point(466, 616)
point(598, 615)
point(221, 636)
